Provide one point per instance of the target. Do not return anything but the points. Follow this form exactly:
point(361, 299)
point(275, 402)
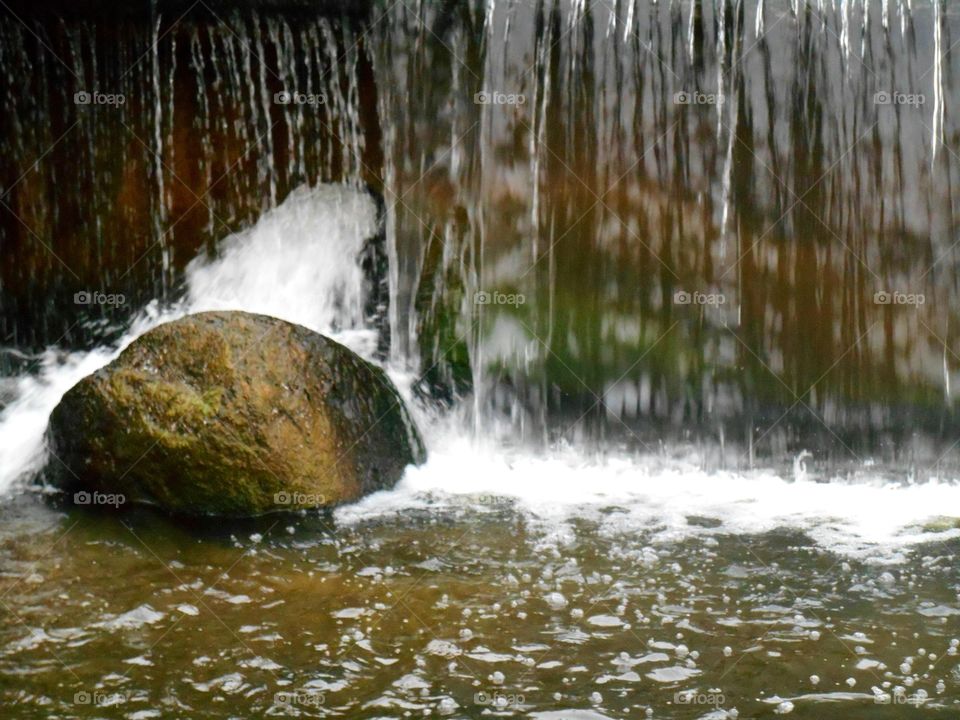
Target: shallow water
point(462, 607)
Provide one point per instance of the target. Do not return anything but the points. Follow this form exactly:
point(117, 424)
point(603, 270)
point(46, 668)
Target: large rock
point(229, 413)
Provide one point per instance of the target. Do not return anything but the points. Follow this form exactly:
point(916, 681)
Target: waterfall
point(159, 171)
point(597, 161)
point(936, 138)
point(571, 60)
point(199, 144)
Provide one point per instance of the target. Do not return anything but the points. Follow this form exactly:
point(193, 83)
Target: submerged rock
point(230, 413)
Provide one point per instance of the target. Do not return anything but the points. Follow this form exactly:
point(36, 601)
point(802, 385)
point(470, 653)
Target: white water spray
point(298, 263)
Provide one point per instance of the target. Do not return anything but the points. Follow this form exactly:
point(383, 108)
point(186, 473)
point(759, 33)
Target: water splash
point(300, 262)
point(506, 197)
point(867, 517)
point(203, 144)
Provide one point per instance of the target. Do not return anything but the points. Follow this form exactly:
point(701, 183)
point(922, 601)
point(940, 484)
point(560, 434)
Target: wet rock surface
point(231, 413)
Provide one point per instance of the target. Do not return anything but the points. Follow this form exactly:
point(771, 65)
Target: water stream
point(669, 287)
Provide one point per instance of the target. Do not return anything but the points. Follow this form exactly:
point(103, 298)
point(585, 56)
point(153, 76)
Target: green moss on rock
point(230, 413)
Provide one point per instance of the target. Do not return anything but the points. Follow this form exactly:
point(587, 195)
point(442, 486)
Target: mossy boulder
point(234, 414)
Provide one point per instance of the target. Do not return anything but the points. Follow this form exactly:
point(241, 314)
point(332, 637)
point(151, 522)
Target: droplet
point(556, 601)
point(784, 707)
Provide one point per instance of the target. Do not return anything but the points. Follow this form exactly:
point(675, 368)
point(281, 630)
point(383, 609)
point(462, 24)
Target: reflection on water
point(459, 610)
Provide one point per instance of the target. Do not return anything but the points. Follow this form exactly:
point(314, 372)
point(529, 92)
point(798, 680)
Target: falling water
point(594, 163)
point(785, 178)
point(936, 138)
point(200, 145)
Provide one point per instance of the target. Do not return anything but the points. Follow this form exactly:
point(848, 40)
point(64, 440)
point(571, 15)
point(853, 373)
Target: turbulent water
point(636, 504)
point(491, 580)
point(468, 609)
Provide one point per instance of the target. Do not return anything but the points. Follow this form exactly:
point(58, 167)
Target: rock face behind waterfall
point(230, 413)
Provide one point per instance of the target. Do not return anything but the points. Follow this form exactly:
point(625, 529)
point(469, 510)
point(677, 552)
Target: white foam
point(299, 263)
point(23, 422)
point(869, 519)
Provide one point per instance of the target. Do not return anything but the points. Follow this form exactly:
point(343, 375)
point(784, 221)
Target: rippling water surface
point(464, 607)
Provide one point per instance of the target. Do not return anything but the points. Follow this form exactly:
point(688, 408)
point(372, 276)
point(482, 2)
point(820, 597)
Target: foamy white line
point(869, 520)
